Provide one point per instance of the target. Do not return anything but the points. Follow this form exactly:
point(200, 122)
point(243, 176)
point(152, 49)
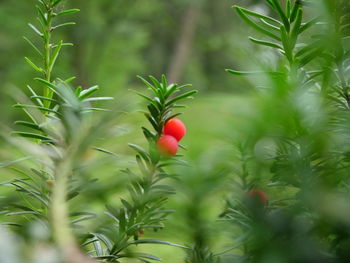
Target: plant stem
point(62, 233)
point(47, 59)
point(58, 205)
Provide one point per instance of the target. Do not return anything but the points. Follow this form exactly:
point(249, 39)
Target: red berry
point(167, 145)
point(258, 195)
point(141, 232)
point(175, 128)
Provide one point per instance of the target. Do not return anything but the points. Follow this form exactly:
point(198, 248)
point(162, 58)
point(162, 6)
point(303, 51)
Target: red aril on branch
point(141, 232)
point(258, 195)
point(167, 145)
point(175, 128)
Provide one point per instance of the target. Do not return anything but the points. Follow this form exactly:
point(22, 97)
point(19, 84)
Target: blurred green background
point(115, 40)
point(191, 41)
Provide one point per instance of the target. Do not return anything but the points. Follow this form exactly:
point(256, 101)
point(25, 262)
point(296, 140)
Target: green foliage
point(50, 51)
point(300, 147)
point(148, 193)
point(56, 120)
point(288, 200)
point(57, 134)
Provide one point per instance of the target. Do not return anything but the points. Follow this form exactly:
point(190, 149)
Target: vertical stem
point(59, 216)
point(62, 233)
point(47, 59)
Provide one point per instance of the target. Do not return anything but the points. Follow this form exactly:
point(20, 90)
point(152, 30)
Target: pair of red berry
point(174, 130)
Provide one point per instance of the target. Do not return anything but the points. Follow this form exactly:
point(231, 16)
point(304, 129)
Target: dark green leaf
point(35, 67)
point(56, 2)
point(294, 11)
point(35, 29)
point(309, 57)
point(255, 25)
point(24, 213)
point(127, 205)
point(50, 85)
point(186, 95)
point(309, 24)
point(152, 121)
point(154, 89)
point(45, 99)
point(286, 44)
point(141, 151)
point(42, 17)
point(140, 255)
point(33, 46)
point(171, 89)
point(296, 27)
point(266, 43)
point(64, 24)
point(67, 12)
point(34, 194)
point(275, 28)
point(105, 151)
point(88, 92)
point(98, 248)
point(55, 55)
point(244, 73)
point(282, 15)
point(157, 84)
point(29, 125)
point(154, 241)
point(24, 106)
point(98, 99)
point(33, 136)
point(141, 165)
point(267, 18)
point(6, 164)
point(288, 8)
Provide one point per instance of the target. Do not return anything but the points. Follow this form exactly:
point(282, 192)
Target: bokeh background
point(191, 41)
point(115, 40)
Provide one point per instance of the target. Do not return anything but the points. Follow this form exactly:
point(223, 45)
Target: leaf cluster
point(311, 152)
point(148, 193)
